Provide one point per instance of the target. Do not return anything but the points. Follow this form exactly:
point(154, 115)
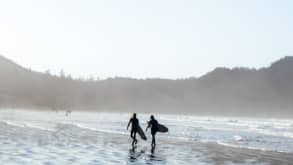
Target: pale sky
point(145, 38)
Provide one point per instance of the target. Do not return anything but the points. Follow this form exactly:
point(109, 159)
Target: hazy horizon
point(166, 39)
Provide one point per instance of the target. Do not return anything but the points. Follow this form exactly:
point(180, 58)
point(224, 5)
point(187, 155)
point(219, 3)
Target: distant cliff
point(238, 91)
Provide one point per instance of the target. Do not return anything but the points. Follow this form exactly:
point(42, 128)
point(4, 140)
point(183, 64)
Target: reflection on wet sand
point(135, 156)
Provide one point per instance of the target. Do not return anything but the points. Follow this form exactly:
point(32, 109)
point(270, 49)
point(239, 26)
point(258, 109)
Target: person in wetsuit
point(153, 124)
point(134, 128)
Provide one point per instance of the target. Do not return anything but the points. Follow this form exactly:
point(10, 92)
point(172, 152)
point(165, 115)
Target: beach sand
point(170, 151)
point(73, 145)
point(51, 138)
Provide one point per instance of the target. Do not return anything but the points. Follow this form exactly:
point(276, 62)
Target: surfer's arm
point(128, 124)
point(148, 126)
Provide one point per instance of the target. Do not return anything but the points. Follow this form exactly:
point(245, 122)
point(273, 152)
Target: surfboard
point(162, 128)
point(141, 133)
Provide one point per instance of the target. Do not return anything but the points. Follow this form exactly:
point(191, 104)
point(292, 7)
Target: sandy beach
point(50, 139)
point(73, 146)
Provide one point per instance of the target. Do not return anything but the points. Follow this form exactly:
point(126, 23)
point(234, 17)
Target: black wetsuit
point(154, 129)
point(134, 128)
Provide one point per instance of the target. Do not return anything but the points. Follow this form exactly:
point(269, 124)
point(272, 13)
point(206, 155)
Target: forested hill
point(238, 91)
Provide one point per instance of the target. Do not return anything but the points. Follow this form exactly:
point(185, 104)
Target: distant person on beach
point(134, 128)
point(153, 124)
point(67, 113)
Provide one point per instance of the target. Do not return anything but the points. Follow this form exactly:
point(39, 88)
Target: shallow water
point(30, 137)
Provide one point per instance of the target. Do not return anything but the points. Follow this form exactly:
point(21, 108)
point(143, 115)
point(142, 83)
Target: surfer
point(134, 128)
point(153, 123)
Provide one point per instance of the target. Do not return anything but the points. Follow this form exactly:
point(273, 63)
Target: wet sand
point(77, 146)
point(169, 151)
point(39, 141)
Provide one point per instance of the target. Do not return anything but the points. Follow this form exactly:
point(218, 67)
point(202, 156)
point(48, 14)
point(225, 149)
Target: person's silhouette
point(134, 128)
point(153, 123)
